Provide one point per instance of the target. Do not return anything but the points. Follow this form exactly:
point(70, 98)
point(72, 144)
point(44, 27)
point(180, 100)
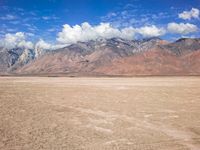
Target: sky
point(53, 23)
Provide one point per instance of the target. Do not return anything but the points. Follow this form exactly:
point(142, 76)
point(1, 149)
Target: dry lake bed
point(143, 113)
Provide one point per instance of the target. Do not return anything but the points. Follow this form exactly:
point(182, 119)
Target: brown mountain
point(179, 58)
point(119, 57)
point(155, 62)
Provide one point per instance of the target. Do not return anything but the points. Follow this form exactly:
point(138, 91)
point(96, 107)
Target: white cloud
point(30, 34)
point(19, 40)
point(128, 33)
point(151, 31)
point(46, 18)
point(8, 17)
point(42, 45)
point(50, 17)
point(86, 32)
point(188, 15)
point(182, 28)
point(16, 40)
point(51, 29)
point(25, 44)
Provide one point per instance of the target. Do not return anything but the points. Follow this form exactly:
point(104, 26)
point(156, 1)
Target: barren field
point(149, 113)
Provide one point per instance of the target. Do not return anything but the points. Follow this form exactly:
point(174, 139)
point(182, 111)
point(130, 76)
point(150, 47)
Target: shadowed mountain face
point(184, 46)
point(11, 59)
point(109, 57)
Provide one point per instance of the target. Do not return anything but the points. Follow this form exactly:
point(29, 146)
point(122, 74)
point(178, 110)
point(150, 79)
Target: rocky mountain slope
point(114, 56)
point(11, 59)
point(179, 58)
point(14, 58)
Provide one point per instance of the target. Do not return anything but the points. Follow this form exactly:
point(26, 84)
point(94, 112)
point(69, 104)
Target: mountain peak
point(188, 40)
point(152, 39)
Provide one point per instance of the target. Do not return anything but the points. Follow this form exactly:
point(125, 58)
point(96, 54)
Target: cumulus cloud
point(42, 45)
point(86, 32)
point(151, 31)
point(19, 40)
point(25, 44)
point(182, 28)
point(16, 40)
point(128, 33)
point(188, 15)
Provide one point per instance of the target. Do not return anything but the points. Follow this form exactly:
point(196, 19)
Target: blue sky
point(45, 18)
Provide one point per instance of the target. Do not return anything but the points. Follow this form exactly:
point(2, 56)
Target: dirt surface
point(152, 113)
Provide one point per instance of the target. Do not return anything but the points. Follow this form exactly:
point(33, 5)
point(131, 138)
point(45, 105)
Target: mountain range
point(106, 57)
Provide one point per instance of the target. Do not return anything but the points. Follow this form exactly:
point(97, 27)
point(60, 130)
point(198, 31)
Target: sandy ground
point(152, 113)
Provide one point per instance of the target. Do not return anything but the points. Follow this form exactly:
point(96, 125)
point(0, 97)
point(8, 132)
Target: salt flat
point(143, 113)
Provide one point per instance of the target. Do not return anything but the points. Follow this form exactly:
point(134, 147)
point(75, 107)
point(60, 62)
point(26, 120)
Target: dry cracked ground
point(149, 113)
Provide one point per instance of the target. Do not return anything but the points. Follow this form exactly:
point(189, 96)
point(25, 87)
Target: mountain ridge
point(113, 56)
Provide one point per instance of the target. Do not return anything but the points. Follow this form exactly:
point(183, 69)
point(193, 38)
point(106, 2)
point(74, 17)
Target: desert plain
point(63, 113)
